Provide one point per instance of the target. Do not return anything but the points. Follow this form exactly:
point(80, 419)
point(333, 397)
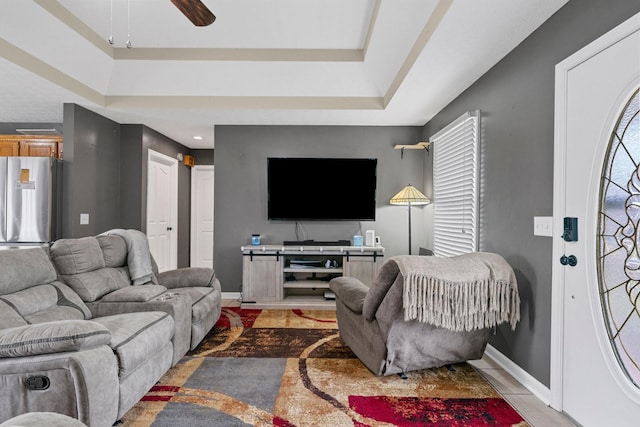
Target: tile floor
point(532, 409)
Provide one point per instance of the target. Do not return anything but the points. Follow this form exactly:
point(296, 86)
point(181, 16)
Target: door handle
point(571, 260)
point(169, 228)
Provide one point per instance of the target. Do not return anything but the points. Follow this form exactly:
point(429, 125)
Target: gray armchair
point(425, 312)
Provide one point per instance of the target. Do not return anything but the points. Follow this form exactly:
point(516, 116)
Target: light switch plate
point(84, 219)
point(543, 226)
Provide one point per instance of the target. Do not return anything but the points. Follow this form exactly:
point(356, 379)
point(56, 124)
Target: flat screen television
point(321, 189)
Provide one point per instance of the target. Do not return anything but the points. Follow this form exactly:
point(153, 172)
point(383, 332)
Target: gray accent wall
point(516, 98)
point(241, 187)
point(203, 156)
point(91, 172)
point(105, 175)
point(132, 189)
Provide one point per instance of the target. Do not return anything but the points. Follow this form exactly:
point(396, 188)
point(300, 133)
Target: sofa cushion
point(387, 276)
point(114, 250)
point(24, 268)
point(46, 303)
point(201, 304)
point(187, 277)
point(135, 337)
point(134, 294)
point(138, 255)
point(93, 285)
point(9, 317)
point(75, 256)
point(52, 337)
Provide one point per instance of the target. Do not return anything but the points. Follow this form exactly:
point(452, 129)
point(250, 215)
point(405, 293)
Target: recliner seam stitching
point(140, 331)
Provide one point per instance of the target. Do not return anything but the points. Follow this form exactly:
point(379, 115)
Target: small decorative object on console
point(370, 237)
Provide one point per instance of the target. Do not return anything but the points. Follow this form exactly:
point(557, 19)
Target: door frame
point(560, 141)
point(194, 213)
point(157, 157)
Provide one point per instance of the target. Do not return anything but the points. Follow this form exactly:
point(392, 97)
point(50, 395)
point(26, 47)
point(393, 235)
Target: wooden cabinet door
point(31, 145)
point(364, 269)
point(9, 148)
point(261, 279)
point(39, 148)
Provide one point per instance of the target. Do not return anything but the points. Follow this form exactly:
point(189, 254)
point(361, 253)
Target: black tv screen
point(321, 189)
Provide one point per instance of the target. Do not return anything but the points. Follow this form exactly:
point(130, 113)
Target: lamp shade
point(409, 195)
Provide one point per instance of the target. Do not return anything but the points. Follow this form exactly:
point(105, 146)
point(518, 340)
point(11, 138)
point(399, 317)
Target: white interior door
point(596, 309)
point(202, 178)
point(162, 210)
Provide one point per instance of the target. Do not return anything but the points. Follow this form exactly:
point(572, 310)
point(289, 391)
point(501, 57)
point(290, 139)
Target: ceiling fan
point(195, 11)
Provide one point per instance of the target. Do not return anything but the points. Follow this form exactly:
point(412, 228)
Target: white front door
point(162, 210)
point(596, 309)
point(202, 216)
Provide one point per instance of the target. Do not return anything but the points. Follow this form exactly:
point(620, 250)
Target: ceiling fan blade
point(196, 11)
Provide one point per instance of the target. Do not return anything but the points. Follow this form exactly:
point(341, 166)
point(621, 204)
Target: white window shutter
point(455, 186)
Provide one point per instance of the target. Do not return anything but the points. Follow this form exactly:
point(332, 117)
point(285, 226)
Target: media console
point(297, 276)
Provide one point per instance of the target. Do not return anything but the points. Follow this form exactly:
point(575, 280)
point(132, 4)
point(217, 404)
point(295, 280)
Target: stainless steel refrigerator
point(29, 199)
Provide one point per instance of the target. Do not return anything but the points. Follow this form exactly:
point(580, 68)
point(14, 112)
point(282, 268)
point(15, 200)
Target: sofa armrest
point(52, 337)
point(187, 277)
point(350, 291)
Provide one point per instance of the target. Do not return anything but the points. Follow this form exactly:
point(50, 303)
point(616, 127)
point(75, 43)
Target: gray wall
point(132, 192)
point(241, 187)
point(516, 98)
point(91, 172)
point(203, 156)
point(105, 175)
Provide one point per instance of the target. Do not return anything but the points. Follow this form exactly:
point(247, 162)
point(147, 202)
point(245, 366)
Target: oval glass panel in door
point(619, 240)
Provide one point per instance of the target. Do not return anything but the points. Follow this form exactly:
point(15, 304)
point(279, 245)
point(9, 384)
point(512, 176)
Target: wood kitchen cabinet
point(9, 148)
point(31, 145)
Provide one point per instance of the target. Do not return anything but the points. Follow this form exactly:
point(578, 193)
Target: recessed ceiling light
point(198, 137)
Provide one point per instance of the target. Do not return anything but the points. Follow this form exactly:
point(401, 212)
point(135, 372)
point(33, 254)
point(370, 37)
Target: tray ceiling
point(298, 62)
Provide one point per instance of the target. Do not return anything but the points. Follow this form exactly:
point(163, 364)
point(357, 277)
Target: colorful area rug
point(288, 368)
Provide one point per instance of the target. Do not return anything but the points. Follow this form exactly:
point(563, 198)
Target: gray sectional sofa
point(97, 269)
point(77, 338)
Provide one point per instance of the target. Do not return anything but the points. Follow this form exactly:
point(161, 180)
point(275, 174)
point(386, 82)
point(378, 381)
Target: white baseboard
point(231, 295)
point(536, 388)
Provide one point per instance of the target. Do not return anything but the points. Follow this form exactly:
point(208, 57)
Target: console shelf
point(313, 270)
point(306, 284)
point(297, 276)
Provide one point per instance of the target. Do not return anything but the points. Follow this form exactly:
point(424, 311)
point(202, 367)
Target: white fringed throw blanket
point(460, 293)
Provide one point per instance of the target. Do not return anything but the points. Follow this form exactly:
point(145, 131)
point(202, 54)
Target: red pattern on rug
point(417, 411)
point(247, 316)
point(279, 422)
point(168, 391)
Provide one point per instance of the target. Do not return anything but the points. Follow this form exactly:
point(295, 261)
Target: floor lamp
point(409, 196)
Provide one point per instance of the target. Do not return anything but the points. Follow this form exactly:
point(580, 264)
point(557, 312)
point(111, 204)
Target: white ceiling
point(302, 62)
